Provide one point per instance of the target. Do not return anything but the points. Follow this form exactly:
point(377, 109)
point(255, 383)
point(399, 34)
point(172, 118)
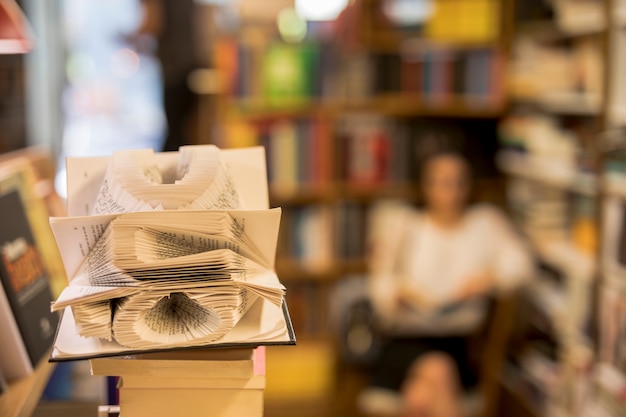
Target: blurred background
point(343, 94)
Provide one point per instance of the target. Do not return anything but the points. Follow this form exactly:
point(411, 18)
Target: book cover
point(23, 272)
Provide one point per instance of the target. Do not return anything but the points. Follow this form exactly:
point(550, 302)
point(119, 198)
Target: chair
point(491, 341)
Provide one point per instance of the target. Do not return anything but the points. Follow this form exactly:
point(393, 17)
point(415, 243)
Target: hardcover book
point(26, 325)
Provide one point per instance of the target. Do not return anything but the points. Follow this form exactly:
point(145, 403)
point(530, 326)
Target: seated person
point(431, 273)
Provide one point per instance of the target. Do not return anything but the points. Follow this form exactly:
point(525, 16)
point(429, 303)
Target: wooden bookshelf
point(322, 118)
point(292, 270)
point(393, 105)
point(335, 191)
point(591, 107)
point(22, 397)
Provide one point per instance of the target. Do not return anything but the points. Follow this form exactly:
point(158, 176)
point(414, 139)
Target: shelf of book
point(23, 395)
point(561, 86)
point(547, 172)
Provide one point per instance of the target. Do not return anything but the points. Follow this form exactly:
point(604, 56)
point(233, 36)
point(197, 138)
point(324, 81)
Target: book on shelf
point(297, 74)
point(288, 74)
point(26, 323)
point(353, 77)
point(559, 78)
point(464, 21)
point(299, 152)
point(168, 250)
point(350, 231)
point(307, 239)
point(323, 238)
point(440, 75)
point(374, 150)
point(308, 301)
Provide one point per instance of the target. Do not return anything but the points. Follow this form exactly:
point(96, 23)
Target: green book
point(289, 74)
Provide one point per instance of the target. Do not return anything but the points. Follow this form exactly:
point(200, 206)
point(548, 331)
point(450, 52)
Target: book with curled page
point(168, 251)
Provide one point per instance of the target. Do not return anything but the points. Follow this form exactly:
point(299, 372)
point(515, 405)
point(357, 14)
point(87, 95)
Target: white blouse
point(409, 250)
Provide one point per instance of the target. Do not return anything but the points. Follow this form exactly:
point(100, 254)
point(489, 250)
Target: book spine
point(497, 77)
point(427, 76)
point(472, 77)
point(300, 153)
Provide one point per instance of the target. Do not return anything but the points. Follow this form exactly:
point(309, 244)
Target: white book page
point(263, 323)
point(76, 236)
point(84, 178)
point(88, 294)
point(247, 167)
point(261, 226)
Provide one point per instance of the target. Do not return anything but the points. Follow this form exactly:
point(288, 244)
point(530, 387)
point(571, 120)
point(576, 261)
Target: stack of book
point(222, 383)
point(167, 252)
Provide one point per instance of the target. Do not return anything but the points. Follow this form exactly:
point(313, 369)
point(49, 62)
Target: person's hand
point(476, 286)
point(411, 298)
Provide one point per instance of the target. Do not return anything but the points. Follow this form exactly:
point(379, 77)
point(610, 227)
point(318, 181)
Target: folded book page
point(167, 256)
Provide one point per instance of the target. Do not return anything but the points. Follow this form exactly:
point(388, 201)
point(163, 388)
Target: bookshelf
point(571, 183)
point(23, 395)
point(341, 127)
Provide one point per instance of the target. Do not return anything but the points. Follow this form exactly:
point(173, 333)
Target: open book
point(168, 250)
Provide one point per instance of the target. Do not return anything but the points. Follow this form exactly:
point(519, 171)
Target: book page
point(84, 178)
point(76, 236)
point(88, 294)
point(265, 323)
point(247, 168)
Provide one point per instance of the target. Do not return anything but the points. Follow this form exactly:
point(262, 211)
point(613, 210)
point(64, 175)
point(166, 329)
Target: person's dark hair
point(437, 141)
point(441, 141)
